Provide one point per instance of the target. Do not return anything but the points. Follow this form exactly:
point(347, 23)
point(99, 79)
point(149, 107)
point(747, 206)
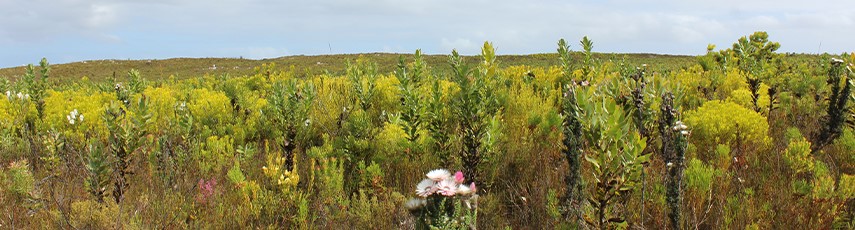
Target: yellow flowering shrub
point(387, 93)
point(798, 157)
point(719, 122)
point(90, 106)
point(278, 176)
point(331, 99)
point(162, 102)
point(211, 108)
point(391, 140)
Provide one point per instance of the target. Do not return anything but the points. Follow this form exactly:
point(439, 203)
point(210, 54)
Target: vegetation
point(738, 138)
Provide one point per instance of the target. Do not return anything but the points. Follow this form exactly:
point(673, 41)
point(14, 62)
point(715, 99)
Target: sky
point(75, 30)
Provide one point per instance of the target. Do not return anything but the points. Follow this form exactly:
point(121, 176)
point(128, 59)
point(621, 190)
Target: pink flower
point(472, 187)
point(458, 177)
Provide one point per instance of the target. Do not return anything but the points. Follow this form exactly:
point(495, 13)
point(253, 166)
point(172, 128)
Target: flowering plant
point(436, 204)
point(441, 182)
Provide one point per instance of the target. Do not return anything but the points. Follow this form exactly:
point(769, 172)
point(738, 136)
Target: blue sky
point(75, 30)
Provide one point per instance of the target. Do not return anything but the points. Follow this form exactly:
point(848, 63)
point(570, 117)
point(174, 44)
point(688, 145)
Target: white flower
point(415, 204)
point(447, 187)
point(464, 190)
point(438, 174)
point(836, 61)
point(81, 117)
point(20, 95)
point(71, 121)
point(426, 188)
point(684, 132)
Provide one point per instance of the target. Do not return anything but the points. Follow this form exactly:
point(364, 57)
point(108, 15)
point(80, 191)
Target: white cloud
point(436, 26)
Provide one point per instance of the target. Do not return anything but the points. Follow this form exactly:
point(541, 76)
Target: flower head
point(458, 177)
point(464, 190)
point(438, 174)
point(447, 188)
point(426, 188)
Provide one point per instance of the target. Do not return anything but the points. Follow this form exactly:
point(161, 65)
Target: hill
point(306, 65)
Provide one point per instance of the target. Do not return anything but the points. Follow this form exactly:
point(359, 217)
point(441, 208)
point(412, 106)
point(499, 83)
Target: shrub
point(212, 109)
point(718, 122)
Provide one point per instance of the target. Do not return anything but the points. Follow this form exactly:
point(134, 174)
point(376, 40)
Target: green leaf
point(593, 161)
point(643, 158)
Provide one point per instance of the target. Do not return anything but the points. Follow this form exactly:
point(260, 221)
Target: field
point(740, 138)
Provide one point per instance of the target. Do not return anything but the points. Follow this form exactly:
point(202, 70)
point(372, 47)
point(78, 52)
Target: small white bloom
point(684, 132)
point(71, 121)
point(415, 204)
point(836, 61)
point(464, 190)
point(669, 165)
point(20, 95)
point(26, 96)
point(81, 117)
point(426, 188)
point(438, 174)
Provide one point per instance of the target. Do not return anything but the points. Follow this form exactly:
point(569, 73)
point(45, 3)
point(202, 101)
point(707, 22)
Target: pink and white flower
point(426, 188)
point(447, 188)
point(438, 175)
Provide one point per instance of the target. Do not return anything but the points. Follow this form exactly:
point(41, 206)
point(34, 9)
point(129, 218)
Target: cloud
point(259, 28)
